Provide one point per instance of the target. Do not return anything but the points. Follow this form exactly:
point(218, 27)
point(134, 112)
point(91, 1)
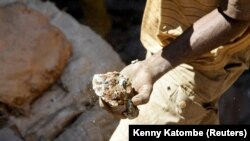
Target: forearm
point(204, 35)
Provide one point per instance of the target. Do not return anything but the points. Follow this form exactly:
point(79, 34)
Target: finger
point(143, 95)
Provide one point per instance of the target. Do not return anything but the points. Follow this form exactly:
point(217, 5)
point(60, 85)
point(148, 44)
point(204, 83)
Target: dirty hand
point(142, 81)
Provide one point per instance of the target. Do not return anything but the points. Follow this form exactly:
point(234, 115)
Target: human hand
point(142, 81)
point(115, 92)
point(138, 87)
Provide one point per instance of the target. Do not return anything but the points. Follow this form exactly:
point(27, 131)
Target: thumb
point(143, 95)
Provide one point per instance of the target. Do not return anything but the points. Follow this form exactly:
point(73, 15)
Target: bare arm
point(207, 33)
point(214, 29)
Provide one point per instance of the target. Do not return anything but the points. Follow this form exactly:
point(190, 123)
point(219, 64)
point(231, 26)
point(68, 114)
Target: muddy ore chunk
point(116, 91)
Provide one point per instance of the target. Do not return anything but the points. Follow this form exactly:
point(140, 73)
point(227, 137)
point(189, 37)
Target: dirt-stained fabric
point(188, 94)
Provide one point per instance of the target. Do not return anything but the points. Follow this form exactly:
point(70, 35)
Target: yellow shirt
point(164, 20)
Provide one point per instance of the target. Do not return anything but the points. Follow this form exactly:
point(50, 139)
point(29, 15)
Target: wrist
point(157, 65)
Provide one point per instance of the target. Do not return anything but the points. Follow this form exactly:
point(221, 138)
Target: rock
point(93, 125)
point(33, 54)
point(7, 134)
point(115, 93)
point(65, 110)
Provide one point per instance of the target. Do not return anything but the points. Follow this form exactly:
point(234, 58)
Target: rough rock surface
point(115, 92)
point(33, 54)
point(69, 110)
point(93, 125)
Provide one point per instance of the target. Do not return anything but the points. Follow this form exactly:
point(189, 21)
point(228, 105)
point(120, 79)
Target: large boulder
point(33, 54)
point(68, 110)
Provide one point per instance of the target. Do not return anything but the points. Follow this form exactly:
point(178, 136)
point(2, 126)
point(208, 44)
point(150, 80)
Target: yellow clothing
point(187, 94)
point(96, 16)
point(164, 20)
